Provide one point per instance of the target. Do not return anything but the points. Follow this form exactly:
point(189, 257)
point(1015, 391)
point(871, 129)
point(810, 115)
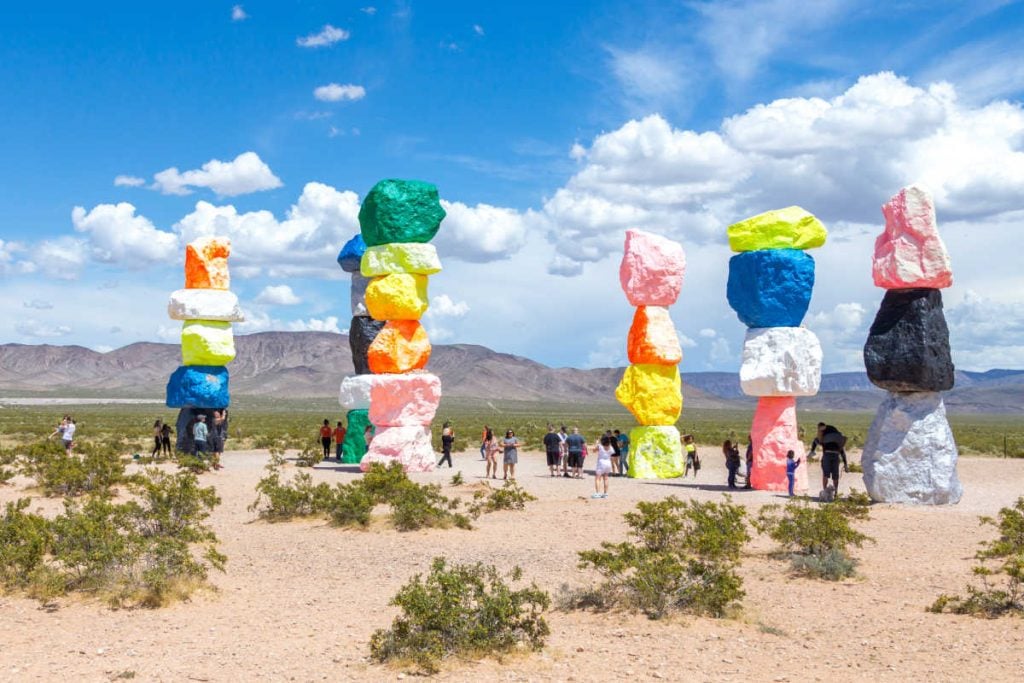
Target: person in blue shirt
point(575, 444)
point(624, 452)
point(791, 466)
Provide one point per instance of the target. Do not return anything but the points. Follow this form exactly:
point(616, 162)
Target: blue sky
point(550, 128)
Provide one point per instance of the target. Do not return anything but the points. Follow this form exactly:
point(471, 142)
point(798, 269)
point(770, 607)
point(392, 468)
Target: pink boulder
point(909, 252)
point(652, 269)
point(774, 433)
point(410, 446)
point(408, 400)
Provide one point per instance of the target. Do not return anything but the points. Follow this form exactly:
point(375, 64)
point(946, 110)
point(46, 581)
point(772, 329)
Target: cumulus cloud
point(647, 75)
point(610, 353)
point(114, 234)
point(244, 174)
point(129, 181)
point(278, 295)
point(328, 35)
point(238, 13)
point(41, 330)
point(481, 233)
point(328, 324)
point(334, 92)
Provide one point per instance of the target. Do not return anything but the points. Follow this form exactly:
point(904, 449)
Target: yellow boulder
point(399, 296)
point(207, 342)
point(652, 393)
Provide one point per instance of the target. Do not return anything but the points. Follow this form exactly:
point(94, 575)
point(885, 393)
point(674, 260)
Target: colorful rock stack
point(651, 274)
point(910, 454)
point(770, 284)
point(207, 309)
point(397, 220)
point(354, 394)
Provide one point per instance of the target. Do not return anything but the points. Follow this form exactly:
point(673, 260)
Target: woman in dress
point(511, 446)
point(603, 468)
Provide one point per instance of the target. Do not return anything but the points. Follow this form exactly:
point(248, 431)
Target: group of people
point(208, 439)
point(66, 431)
point(161, 439)
point(337, 437)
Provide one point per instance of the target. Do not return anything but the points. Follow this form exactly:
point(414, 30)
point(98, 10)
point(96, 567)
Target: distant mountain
point(311, 364)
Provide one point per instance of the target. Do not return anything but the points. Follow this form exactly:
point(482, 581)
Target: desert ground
point(300, 600)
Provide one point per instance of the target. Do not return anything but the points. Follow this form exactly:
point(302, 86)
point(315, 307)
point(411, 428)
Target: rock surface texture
point(404, 400)
point(361, 333)
point(206, 263)
point(353, 447)
point(910, 454)
point(908, 344)
point(410, 446)
point(399, 296)
point(910, 252)
point(652, 269)
point(204, 386)
point(357, 295)
point(651, 393)
point(789, 228)
point(655, 453)
point(207, 342)
point(652, 338)
point(204, 304)
point(401, 346)
point(400, 211)
point(771, 287)
point(781, 361)
point(408, 257)
point(351, 255)
point(354, 393)
point(773, 433)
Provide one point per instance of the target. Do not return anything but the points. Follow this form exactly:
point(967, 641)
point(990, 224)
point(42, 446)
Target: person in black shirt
point(833, 450)
point(553, 449)
point(447, 439)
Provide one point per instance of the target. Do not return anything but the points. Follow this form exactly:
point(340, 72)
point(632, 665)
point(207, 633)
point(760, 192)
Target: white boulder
point(910, 455)
point(354, 393)
point(205, 304)
point(781, 361)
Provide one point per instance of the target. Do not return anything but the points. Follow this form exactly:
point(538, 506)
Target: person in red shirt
point(325, 438)
point(339, 437)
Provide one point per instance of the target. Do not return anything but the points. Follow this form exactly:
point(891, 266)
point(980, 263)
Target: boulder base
point(353, 447)
point(773, 433)
point(399, 296)
point(909, 252)
point(771, 287)
point(789, 228)
point(354, 393)
point(651, 393)
point(199, 386)
point(410, 446)
point(204, 304)
point(910, 455)
point(401, 346)
point(400, 211)
point(351, 255)
point(652, 269)
point(400, 257)
point(908, 344)
point(205, 342)
point(404, 400)
point(206, 263)
point(655, 453)
point(652, 338)
point(781, 361)
point(361, 333)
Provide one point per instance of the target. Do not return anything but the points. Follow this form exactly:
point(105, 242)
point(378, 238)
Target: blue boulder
point(351, 255)
point(771, 287)
point(198, 386)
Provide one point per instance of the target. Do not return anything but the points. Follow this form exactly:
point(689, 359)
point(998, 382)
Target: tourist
point(791, 466)
point(158, 428)
point(553, 450)
point(603, 467)
point(218, 434)
point(732, 461)
point(199, 436)
point(575, 445)
point(623, 439)
point(447, 439)
point(692, 459)
point(511, 446)
point(563, 451)
point(832, 444)
point(750, 462)
point(368, 435)
point(828, 434)
point(165, 439)
point(325, 438)
point(339, 439)
point(613, 440)
point(68, 437)
point(483, 441)
point(491, 453)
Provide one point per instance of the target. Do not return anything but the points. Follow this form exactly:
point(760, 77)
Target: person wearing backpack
point(833, 450)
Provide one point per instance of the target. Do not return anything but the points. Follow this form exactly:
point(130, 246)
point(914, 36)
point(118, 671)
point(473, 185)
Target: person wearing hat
point(199, 434)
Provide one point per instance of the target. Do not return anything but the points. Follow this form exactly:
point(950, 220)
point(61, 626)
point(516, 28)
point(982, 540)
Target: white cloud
point(8, 251)
point(842, 332)
point(244, 174)
point(708, 333)
point(478, 29)
point(238, 13)
point(41, 330)
point(334, 92)
point(444, 306)
point(564, 266)
point(129, 181)
point(278, 295)
point(328, 35)
point(328, 324)
point(368, 10)
point(647, 75)
point(115, 234)
point(685, 341)
point(482, 232)
point(986, 332)
point(610, 353)
point(38, 304)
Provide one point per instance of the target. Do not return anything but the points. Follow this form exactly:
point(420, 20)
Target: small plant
point(458, 479)
point(854, 468)
point(816, 538)
point(682, 557)
point(192, 463)
point(509, 497)
point(8, 458)
point(418, 506)
point(96, 469)
point(308, 457)
point(1007, 550)
point(462, 610)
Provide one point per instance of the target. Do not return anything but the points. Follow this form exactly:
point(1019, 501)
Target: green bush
point(280, 501)
point(816, 537)
point(682, 557)
point(25, 539)
point(458, 479)
point(192, 463)
point(308, 456)
point(7, 459)
point(509, 497)
point(419, 506)
point(95, 469)
point(990, 600)
point(462, 610)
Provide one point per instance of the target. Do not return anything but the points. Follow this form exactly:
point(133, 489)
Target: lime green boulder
point(400, 257)
point(789, 228)
point(652, 393)
point(353, 448)
point(207, 342)
point(400, 211)
point(655, 453)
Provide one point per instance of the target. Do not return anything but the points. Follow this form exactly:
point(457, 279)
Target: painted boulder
point(771, 287)
point(781, 361)
point(655, 452)
point(652, 269)
point(354, 392)
point(204, 304)
point(910, 252)
point(652, 338)
point(401, 346)
point(773, 433)
point(652, 393)
point(908, 344)
point(400, 257)
point(205, 342)
point(789, 228)
point(400, 211)
point(351, 255)
point(410, 446)
point(199, 386)
point(404, 400)
point(357, 296)
point(399, 296)
point(361, 333)
point(353, 447)
point(206, 263)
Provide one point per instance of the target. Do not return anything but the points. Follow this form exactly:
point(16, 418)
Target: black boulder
point(908, 345)
point(361, 334)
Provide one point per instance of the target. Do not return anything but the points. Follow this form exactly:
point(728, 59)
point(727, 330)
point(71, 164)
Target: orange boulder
point(652, 338)
point(401, 346)
point(206, 263)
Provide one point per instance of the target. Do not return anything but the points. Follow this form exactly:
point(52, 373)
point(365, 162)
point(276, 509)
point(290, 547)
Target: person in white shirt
point(603, 468)
point(68, 437)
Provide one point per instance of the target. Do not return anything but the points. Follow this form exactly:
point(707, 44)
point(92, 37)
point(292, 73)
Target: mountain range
point(311, 364)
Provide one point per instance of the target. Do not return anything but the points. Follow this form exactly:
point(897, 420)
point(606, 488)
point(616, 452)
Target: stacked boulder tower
point(770, 284)
point(354, 394)
point(397, 220)
point(651, 275)
point(910, 455)
point(206, 307)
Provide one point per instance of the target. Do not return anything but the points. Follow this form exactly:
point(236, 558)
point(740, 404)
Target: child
point(603, 467)
point(791, 466)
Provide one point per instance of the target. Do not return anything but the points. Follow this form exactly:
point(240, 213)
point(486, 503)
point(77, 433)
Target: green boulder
point(789, 228)
point(400, 211)
point(353, 448)
point(655, 453)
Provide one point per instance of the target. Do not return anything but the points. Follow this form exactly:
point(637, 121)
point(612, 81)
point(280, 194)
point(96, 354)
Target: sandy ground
point(300, 600)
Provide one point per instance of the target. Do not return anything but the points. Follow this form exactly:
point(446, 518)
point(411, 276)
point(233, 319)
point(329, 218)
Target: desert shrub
point(92, 470)
point(7, 461)
point(509, 497)
point(192, 463)
point(1007, 552)
point(458, 479)
point(385, 482)
point(816, 537)
point(855, 468)
point(682, 556)
point(349, 505)
point(418, 506)
point(279, 501)
point(308, 456)
point(25, 539)
point(462, 610)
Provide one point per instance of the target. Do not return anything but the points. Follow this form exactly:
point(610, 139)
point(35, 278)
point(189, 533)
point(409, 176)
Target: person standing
point(575, 443)
point(325, 438)
point(750, 462)
point(603, 467)
point(218, 433)
point(553, 450)
point(447, 439)
point(158, 427)
point(483, 441)
point(613, 441)
point(339, 439)
point(732, 461)
point(200, 433)
point(165, 439)
point(833, 450)
point(563, 451)
point(511, 446)
point(623, 439)
point(791, 466)
point(692, 459)
point(68, 437)
point(491, 454)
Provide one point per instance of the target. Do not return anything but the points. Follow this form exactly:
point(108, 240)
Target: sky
point(130, 129)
